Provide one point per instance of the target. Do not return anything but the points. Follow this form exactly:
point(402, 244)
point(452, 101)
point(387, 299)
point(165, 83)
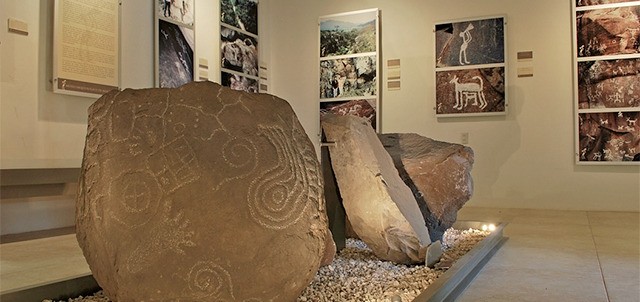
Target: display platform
point(446, 288)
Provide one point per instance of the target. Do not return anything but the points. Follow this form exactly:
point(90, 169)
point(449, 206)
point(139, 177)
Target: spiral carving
point(209, 280)
point(279, 195)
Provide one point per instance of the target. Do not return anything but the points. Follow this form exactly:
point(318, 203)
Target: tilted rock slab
point(438, 173)
point(199, 193)
point(380, 206)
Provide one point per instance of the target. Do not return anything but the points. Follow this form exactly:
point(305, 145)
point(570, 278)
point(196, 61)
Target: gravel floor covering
point(357, 275)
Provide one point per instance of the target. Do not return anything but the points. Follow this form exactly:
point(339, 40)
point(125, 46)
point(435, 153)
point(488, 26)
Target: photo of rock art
point(470, 43)
point(609, 83)
point(599, 2)
point(362, 108)
point(239, 82)
point(238, 52)
point(609, 136)
point(348, 77)
point(348, 34)
point(470, 91)
point(608, 31)
point(242, 14)
point(176, 10)
point(175, 54)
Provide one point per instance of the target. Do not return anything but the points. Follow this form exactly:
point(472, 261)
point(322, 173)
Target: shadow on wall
point(491, 156)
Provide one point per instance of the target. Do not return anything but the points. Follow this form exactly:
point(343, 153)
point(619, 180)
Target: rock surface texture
point(438, 173)
point(380, 206)
point(199, 193)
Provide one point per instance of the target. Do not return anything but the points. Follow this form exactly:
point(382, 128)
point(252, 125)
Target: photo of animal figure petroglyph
point(242, 14)
point(470, 43)
point(470, 91)
point(348, 34)
point(608, 31)
point(238, 52)
point(348, 77)
point(609, 136)
point(609, 84)
point(175, 54)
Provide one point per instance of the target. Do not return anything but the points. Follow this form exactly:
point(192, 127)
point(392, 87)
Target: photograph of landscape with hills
point(348, 34)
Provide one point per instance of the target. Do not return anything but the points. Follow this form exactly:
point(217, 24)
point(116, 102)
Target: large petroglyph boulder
point(199, 193)
point(380, 206)
point(438, 173)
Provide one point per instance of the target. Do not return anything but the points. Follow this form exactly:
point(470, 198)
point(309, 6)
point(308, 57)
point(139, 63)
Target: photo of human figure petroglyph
point(608, 31)
point(348, 77)
point(363, 108)
point(181, 11)
point(175, 54)
point(348, 34)
point(609, 136)
point(470, 43)
point(238, 52)
point(609, 84)
point(242, 14)
point(599, 2)
point(470, 91)
point(239, 82)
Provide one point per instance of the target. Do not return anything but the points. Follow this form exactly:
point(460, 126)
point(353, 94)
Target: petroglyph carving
point(278, 197)
point(468, 91)
point(174, 179)
point(466, 38)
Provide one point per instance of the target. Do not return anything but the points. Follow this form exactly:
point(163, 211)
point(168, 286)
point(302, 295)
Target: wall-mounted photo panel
point(599, 2)
point(473, 42)
point(239, 62)
point(348, 34)
point(609, 137)
point(363, 108)
point(608, 31)
point(177, 11)
point(241, 14)
point(175, 54)
point(607, 82)
point(238, 81)
point(470, 91)
point(351, 77)
point(470, 67)
point(238, 52)
point(348, 45)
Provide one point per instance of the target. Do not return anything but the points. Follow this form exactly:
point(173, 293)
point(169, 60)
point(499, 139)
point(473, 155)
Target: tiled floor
point(550, 256)
point(560, 256)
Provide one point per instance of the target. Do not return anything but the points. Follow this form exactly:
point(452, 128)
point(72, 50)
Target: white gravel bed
point(357, 275)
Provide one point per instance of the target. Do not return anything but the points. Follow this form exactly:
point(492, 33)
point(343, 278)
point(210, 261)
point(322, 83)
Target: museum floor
point(549, 256)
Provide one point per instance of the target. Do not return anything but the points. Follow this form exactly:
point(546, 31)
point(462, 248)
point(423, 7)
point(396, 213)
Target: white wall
point(522, 160)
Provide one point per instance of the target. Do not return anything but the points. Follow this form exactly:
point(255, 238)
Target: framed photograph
point(349, 77)
point(238, 81)
point(241, 14)
point(239, 62)
point(607, 82)
point(599, 2)
point(177, 11)
point(238, 52)
point(363, 108)
point(479, 90)
point(470, 68)
point(349, 64)
point(175, 61)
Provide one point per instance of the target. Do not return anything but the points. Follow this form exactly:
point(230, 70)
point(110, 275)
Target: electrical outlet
point(464, 138)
